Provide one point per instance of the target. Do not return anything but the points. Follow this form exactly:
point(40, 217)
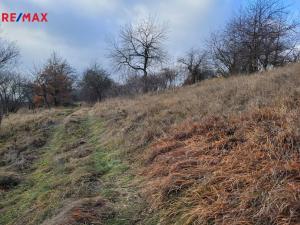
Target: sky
point(80, 30)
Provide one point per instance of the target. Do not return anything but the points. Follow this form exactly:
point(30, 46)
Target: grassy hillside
point(225, 151)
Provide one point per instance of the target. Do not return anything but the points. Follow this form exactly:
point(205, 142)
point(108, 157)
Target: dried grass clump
point(84, 211)
point(242, 169)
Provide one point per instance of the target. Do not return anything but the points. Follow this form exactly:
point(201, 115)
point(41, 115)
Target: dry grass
point(44, 160)
point(141, 120)
point(225, 151)
point(233, 153)
point(229, 170)
point(84, 211)
point(25, 117)
point(23, 134)
point(55, 170)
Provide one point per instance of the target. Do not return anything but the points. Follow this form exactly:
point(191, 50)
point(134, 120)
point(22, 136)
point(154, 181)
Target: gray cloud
point(78, 29)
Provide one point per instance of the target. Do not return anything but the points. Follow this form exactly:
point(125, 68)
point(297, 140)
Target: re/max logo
point(24, 17)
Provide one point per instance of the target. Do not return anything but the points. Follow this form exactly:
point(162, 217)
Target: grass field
point(225, 151)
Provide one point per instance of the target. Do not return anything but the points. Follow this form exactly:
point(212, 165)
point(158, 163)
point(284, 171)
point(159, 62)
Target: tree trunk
point(1, 115)
point(46, 101)
point(145, 85)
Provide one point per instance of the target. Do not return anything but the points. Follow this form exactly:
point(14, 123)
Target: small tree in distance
point(140, 47)
point(95, 84)
point(54, 83)
point(195, 62)
point(8, 54)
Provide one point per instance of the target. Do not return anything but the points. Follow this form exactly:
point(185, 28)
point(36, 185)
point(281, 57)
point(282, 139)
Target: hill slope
point(223, 151)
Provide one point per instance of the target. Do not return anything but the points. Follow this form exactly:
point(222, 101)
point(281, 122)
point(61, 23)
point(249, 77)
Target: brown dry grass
point(27, 117)
point(84, 211)
point(139, 121)
point(229, 170)
point(233, 153)
point(225, 151)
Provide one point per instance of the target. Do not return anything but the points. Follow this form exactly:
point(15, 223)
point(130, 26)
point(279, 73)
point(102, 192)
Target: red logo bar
point(24, 17)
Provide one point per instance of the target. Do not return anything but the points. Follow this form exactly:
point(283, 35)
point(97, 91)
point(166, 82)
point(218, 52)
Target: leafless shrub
point(95, 84)
point(11, 91)
point(197, 66)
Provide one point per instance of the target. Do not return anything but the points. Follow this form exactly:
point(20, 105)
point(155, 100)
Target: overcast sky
point(79, 30)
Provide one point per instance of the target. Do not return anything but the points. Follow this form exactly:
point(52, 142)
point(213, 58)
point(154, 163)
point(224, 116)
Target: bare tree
point(227, 50)
point(8, 54)
point(196, 64)
point(140, 47)
point(262, 35)
point(11, 91)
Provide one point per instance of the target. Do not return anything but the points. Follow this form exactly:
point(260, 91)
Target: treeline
point(260, 37)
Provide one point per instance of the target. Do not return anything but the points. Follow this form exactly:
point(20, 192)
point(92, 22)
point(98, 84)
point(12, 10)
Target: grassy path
point(74, 164)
